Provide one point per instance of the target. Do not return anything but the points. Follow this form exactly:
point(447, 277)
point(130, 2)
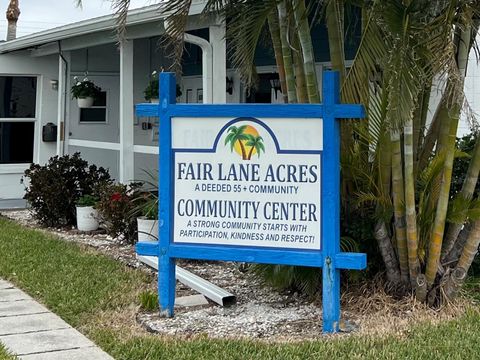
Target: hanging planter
point(85, 92)
point(85, 102)
point(152, 89)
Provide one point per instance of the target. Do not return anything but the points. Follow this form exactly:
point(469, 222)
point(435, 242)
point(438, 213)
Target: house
point(37, 71)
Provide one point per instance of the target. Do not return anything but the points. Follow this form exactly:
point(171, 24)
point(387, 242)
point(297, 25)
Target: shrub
point(116, 206)
point(54, 189)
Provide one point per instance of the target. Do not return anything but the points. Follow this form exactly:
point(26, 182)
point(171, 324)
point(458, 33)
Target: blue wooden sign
point(252, 183)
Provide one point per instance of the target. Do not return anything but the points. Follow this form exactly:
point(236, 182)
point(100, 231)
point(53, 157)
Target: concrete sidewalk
point(31, 332)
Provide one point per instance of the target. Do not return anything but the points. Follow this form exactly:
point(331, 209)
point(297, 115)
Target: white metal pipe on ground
point(211, 291)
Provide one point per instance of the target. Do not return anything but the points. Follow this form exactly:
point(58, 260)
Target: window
point(16, 142)
point(97, 113)
point(18, 95)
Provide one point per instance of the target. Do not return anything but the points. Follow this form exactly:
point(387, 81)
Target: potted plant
point(85, 92)
point(87, 215)
point(151, 91)
point(147, 223)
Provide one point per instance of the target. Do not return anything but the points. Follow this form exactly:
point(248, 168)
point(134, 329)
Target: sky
point(38, 15)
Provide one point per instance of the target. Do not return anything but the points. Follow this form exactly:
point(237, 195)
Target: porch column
point(126, 165)
point(217, 40)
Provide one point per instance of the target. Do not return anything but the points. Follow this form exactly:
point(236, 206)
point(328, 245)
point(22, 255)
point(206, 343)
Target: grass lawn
point(97, 295)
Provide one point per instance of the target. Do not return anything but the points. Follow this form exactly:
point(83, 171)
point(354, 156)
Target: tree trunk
point(411, 214)
point(388, 253)
point(287, 52)
point(436, 239)
point(277, 48)
point(452, 258)
point(303, 31)
point(471, 247)
point(300, 80)
point(468, 188)
point(447, 144)
point(430, 139)
point(399, 206)
point(419, 125)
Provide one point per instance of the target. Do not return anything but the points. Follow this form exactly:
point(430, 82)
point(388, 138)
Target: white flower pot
point(154, 100)
point(85, 102)
point(87, 218)
point(147, 229)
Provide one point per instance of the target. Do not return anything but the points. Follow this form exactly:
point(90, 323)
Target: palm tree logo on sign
point(245, 140)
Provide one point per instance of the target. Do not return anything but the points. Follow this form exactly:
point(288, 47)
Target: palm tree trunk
point(447, 144)
point(277, 48)
point(381, 234)
point(419, 125)
point(334, 22)
point(468, 188)
point(412, 235)
point(244, 151)
point(436, 239)
point(399, 206)
point(286, 52)
point(471, 247)
point(387, 252)
point(454, 254)
point(303, 31)
point(431, 138)
point(300, 80)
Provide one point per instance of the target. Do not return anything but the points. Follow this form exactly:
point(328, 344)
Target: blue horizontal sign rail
point(328, 256)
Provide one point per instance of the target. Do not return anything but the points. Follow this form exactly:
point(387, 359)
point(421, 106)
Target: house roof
point(103, 23)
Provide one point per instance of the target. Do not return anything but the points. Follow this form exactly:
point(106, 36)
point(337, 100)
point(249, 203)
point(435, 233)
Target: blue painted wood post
point(166, 264)
point(331, 198)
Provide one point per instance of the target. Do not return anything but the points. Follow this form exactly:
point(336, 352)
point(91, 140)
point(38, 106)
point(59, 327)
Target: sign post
point(252, 183)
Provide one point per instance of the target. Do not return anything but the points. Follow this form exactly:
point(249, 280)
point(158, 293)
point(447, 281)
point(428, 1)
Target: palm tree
point(395, 163)
point(255, 143)
point(236, 134)
point(13, 12)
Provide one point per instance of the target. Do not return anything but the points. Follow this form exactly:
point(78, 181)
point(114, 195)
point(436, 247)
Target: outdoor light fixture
point(54, 84)
point(229, 85)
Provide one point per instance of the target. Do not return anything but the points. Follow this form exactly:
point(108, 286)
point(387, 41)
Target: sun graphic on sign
point(245, 140)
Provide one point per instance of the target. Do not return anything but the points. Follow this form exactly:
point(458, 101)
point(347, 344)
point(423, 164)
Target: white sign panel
point(247, 182)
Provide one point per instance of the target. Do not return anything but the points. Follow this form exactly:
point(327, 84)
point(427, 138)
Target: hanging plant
point(85, 92)
point(151, 91)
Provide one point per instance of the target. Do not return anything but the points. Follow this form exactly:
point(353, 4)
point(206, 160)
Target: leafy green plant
point(116, 207)
point(87, 200)
point(150, 208)
point(83, 89)
point(146, 201)
point(149, 300)
point(53, 190)
point(151, 91)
